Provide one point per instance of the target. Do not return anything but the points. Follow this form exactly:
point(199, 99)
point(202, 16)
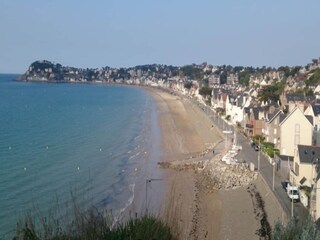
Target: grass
point(94, 226)
point(79, 224)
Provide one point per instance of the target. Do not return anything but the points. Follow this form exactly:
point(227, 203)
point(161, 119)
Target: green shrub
point(295, 230)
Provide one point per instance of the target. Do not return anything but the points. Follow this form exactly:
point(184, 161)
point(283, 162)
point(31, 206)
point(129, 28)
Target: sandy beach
point(196, 211)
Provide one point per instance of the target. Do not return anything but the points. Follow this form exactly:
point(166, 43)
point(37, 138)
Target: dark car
point(284, 184)
point(253, 144)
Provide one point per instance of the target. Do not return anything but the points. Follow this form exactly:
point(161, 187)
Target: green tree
point(188, 85)
point(314, 80)
point(223, 77)
point(205, 91)
point(244, 78)
point(271, 92)
point(192, 72)
point(286, 70)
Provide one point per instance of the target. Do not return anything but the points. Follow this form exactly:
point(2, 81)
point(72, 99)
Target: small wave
point(135, 138)
point(135, 155)
point(137, 147)
point(128, 204)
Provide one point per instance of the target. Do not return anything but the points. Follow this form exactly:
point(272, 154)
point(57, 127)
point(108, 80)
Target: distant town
point(189, 77)
point(277, 108)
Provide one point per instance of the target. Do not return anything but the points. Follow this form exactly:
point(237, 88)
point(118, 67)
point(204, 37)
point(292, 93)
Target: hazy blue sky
point(127, 33)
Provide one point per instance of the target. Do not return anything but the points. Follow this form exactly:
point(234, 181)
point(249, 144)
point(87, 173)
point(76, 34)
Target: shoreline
point(184, 133)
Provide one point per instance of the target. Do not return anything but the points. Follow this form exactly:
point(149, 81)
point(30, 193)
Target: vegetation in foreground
point(92, 225)
point(296, 231)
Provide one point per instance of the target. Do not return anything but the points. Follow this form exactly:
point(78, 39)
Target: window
point(275, 131)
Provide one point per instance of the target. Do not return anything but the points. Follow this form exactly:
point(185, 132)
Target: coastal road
point(248, 154)
point(266, 171)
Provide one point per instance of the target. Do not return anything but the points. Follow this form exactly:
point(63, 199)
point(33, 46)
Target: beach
point(194, 210)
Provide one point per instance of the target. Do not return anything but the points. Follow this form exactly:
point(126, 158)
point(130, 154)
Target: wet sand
point(193, 211)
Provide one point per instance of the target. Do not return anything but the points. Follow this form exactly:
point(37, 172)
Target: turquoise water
point(91, 140)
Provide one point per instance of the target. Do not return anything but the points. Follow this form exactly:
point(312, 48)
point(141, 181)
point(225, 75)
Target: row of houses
point(292, 124)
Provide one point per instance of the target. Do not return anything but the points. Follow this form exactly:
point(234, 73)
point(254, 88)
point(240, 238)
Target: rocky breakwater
point(215, 174)
point(218, 175)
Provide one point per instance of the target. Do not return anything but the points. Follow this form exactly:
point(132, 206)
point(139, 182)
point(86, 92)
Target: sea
point(64, 144)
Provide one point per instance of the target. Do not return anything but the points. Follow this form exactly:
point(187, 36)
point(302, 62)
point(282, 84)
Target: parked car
point(256, 147)
point(293, 193)
point(253, 144)
point(285, 184)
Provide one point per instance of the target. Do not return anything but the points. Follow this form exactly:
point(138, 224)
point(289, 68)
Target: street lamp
point(314, 163)
point(273, 169)
point(149, 181)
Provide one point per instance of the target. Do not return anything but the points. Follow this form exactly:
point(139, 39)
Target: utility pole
point(291, 198)
point(259, 156)
point(273, 170)
point(289, 168)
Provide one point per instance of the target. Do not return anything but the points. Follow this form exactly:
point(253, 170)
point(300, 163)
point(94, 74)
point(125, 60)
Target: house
point(263, 83)
point(295, 129)
point(215, 97)
point(255, 121)
point(232, 79)
point(271, 131)
point(234, 106)
point(305, 172)
point(219, 97)
point(314, 111)
point(317, 89)
point(293, 100)
point(213, 80)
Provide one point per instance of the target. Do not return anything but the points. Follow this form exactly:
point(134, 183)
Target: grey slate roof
point(282, 117)
point(316, 109)
point(295, 97)
point(311, 99)
point(308, 154)
point(256, 111)
point(310, 119)
point(272, 115)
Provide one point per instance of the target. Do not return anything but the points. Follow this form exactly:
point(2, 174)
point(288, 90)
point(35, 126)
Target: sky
point(125, 33)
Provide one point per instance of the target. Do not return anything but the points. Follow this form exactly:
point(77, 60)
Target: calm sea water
point(91, 140)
